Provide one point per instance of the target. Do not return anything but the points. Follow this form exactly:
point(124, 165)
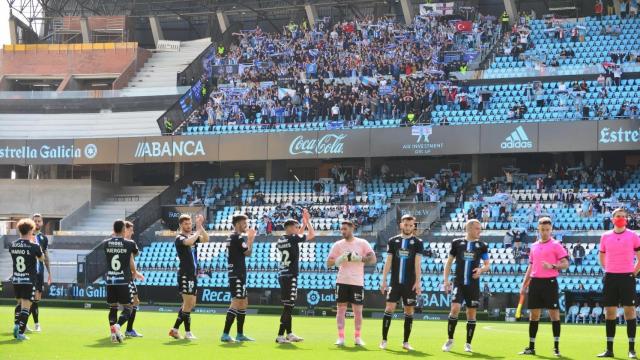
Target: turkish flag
point(464, 26)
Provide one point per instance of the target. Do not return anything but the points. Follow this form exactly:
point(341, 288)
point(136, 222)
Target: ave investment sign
point(380, 142)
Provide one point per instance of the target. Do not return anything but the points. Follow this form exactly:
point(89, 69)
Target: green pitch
point(84, 334)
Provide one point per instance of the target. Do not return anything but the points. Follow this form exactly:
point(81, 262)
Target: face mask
point(620, 222)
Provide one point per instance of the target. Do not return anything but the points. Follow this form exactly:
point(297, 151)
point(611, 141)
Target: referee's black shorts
point(619, 289)
point(543, 294)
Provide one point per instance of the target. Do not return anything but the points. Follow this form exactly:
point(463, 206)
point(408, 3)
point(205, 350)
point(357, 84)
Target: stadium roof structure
point(36, 13)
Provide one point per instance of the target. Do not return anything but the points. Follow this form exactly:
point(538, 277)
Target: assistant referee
point(619, 249)
point(546, 259)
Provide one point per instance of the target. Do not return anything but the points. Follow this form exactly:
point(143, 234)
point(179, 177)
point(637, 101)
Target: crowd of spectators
point(490, 202)
point(586, 314)
point(431, 189)
point(518, 41)
point(345, 72)
point(357, 213)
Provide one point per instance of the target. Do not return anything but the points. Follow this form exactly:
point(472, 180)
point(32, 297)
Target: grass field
point(84, 334)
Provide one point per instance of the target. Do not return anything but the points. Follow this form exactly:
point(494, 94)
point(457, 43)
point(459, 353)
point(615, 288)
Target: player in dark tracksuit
point(472, 260)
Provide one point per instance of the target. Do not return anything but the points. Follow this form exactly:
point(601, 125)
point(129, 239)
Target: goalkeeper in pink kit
point(350, 256)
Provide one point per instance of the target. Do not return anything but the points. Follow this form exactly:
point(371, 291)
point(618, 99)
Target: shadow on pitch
point(478, 355)
point(103, 343)
point(179, 342)
point(408, 353)
point(290, 347)
point(11, 341)
point(350, 348)
point(555, 358)
point(234, 344)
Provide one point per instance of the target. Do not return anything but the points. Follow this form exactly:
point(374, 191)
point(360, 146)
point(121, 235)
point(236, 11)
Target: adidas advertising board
point(518, 139)
point(509, 138)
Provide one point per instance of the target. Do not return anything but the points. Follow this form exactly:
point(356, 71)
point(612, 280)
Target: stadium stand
point(572, 201)
point(209, 191)
point(161, 69)
point(377, 85)
point(123, 201)
point(361, 74)
point(389, 97)
point(540, 47)
point(540, 102)
point(270, 203)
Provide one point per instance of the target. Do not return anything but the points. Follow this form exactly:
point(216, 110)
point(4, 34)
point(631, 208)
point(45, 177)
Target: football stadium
point(306, 179)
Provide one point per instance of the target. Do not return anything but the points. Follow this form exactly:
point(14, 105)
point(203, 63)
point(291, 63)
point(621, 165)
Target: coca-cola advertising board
point(282, 145)
point(343, 144)
point(319, 144)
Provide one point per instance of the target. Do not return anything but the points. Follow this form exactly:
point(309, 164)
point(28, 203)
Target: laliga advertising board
point(323, 298)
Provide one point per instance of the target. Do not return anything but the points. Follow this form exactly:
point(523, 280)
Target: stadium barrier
point(603, 135)
point(307, 298)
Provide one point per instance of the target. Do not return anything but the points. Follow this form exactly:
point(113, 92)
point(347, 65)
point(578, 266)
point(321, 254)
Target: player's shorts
point(543, 294)
point(404, 291)
point(237, 288)
point(353, 294)
point(39, 281)
point(134, 288)
point(288, 289)
point(119, 294)
point(469, 295)
point(187, 284)
point(619, 289)
point(25, 291)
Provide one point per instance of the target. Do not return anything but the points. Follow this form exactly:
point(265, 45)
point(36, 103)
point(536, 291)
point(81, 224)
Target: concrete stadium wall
point(50, 197)
point(93, 105)
point(63, 61)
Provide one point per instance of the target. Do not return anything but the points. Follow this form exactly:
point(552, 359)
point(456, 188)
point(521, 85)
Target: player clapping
point(187, 248)
point(239, 247)
point(289, 247)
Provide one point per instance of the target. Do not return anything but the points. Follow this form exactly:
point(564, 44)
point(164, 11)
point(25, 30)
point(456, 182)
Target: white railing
point(168, 45)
